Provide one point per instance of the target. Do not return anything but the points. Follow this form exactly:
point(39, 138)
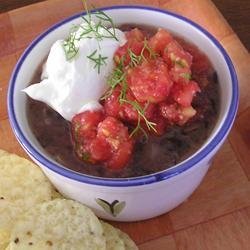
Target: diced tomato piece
point(109, 142)
point(200, 64)
point(113, 131)
point(117, 136)
point(84, 129)
point(88, 119)
point(175, 54)
point(112, 105)
point(135, 34)
point(169, 112)
point(150, 82)
point(99, 150)
point(184, 93)
point(134, 43)
point(160, 40)
point(176, 114)
point(85, 124)
point(121, 157)
point(180, 74)
point(126, 111)
point(123, 52)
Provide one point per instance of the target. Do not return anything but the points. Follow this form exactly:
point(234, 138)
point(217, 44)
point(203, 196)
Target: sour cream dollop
point(73, 86)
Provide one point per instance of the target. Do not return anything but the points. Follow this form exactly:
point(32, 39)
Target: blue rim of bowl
point(132, 181)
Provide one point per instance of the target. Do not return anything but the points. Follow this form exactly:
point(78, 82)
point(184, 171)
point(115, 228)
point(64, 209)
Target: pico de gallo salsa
point(160, 106)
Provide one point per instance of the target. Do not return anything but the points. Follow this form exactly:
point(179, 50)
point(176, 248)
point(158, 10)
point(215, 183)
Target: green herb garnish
point(99, 60)
point(141, 115)
point(152, 53)
point(104, 17)
point(135, 60)
point(69, 47)
point(118, 77)
point(93, 29)
point(186, 76)
point(181, 62)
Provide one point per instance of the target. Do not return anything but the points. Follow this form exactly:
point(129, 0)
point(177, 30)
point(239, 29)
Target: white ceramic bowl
point(127, 199)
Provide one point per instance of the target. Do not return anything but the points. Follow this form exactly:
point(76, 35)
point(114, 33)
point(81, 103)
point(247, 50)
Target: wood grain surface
point(217, 215)
point(235, 12)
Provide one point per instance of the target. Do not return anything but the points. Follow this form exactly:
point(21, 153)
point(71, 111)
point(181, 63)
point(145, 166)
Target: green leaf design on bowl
point(114, 208)
point(118, 207)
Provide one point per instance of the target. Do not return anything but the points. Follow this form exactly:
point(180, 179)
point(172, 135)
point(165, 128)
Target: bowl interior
point(39, 49)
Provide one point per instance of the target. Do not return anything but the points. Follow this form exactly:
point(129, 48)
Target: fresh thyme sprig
point(99, 60)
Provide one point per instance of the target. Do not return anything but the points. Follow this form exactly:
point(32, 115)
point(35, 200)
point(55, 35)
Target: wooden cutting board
point(217, 215)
